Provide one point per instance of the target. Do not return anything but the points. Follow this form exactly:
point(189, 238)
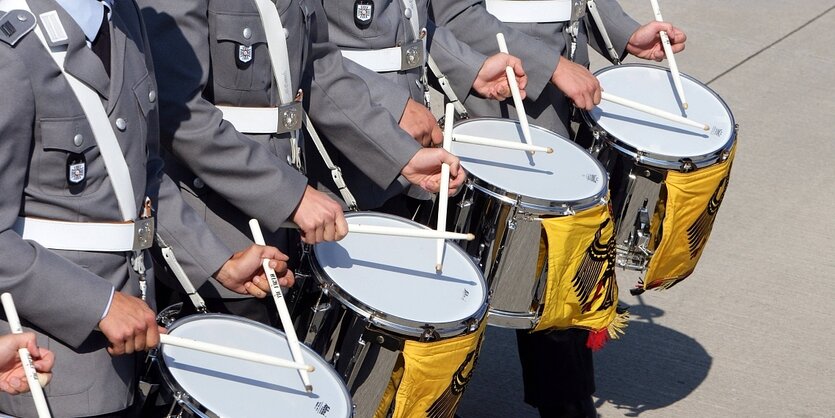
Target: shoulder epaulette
point(15, 24)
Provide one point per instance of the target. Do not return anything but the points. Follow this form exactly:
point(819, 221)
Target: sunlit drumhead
point(396, 275)
point(238, 388)
point(653, 86)
point(569, 174)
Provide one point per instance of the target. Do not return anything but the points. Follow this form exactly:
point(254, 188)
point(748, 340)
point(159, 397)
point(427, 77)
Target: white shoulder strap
point(277, 47)
point(447, 89)
point(602, 28)
point(114, 160)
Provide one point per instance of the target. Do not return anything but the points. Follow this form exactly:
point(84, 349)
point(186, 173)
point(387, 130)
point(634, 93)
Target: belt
point(264, 120)
point(88, 236)
point(397, 58)
point(530, 11)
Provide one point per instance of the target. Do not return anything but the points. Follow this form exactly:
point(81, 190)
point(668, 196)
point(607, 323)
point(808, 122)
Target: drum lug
point(597, 144)
point(687, 165)
point(638, 252)
point(429, 334)
point(472, 324)
point(319, 309)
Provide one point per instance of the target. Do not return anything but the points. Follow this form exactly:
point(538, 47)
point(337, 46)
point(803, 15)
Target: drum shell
point(507, 229)
point(637, 176)
point(363, 343)
point(187, 403)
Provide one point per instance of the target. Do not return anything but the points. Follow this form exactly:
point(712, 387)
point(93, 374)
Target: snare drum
point(507, 195)
point(209, 385)
point(667, 179)
point(380, 295)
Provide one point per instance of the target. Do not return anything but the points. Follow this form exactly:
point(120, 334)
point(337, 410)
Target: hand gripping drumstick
point(28, 367)
point(517, 96)
point(443, 194)
point(283, 313)
point(653, 111)
point(232, 352)
point(668, 51)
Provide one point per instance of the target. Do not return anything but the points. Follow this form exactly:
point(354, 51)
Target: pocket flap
point(67, 134)
point(243, 29)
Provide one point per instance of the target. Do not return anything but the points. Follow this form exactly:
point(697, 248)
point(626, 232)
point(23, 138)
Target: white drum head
point(238, 388)
point(569, 174)
point(653, 86)
point(396, 275)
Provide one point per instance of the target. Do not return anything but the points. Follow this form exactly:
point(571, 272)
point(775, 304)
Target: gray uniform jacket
point(195, 45)
point(61, 295)
point(390, 27)
point(539, 45)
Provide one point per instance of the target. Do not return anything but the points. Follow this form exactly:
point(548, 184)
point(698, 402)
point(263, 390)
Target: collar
point(87, 14)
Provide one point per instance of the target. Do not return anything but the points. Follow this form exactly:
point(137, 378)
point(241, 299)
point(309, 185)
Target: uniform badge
point(244, 55)
point(76, 168)
point(363, 13)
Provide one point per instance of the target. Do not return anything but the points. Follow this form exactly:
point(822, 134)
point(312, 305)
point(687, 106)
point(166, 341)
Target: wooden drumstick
point(25, 358)
point(443, 194)
point(668, 51)
point(283, 312)
point(237, 353)
point(653, 111)
point(517, 95)
point(498, 143)
point(398, 232)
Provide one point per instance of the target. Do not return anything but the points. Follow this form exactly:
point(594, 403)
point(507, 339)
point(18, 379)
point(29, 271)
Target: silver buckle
point(412, 55)
point(143, 236)
point(578, 10)
point(289, 117)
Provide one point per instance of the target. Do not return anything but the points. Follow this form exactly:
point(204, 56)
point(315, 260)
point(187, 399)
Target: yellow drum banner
point(432, 377)
point(686, 216)
point(581, 291)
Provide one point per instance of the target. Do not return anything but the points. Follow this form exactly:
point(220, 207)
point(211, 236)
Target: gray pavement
point(749, 333)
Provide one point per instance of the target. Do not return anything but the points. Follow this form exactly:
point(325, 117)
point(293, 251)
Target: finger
point(274, 253)
point(341, 226)
point(288, 280)
point(254, 290)
point(261, 283)
point(152, 337)
point(44, 379)
point(437, 135)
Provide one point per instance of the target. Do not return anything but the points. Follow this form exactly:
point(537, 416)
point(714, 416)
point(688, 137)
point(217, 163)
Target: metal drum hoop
point(394, 323)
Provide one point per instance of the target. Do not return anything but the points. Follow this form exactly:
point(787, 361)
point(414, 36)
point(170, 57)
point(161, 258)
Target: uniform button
point(247, 33)
point(198, 183)
point(78, 140)
point(121, 124)
point(152, 96)
point(22, 17)
point(408, 13)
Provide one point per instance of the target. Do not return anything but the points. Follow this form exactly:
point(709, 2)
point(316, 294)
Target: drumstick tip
point(470, 237)
point(439, 267)
point(706, 127)
point(685, 106)
point(308, 388)
point(549, 150)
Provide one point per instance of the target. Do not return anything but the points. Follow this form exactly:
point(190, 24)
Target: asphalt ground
point(749, 333)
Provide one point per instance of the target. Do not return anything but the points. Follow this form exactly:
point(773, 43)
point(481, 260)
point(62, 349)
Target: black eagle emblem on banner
point(698, 232)
point(599, 257)
point(447, 403)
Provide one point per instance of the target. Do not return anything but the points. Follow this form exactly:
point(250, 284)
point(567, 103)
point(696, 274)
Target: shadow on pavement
point(650, 367)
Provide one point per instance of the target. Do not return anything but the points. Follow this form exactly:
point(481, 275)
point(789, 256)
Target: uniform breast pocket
point(240, 59)
point(68, 163)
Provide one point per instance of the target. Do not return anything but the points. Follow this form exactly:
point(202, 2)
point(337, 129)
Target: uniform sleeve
point(473, 25)
point(618, 24)
point(455, 59)
point(244, 172)
point(50, 292)
point(342, 109)
point(198, 250)
point(386, 93)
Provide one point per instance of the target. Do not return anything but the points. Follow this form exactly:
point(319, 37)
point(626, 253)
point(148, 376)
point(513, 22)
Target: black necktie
point(101, 45)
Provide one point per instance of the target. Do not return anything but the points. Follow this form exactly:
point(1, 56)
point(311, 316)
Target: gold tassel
point(617, 327)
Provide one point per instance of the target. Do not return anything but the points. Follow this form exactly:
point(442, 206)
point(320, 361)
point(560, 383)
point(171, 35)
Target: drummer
point(387, 44)
point(73, 230)
point(213, 63)
point(556, 60)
